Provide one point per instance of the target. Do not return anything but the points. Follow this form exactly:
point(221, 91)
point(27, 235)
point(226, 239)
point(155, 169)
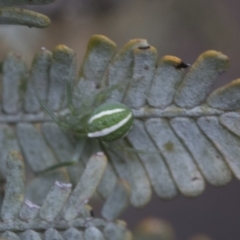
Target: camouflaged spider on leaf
point(176, 117)
point(108, 122)
point(90, 116)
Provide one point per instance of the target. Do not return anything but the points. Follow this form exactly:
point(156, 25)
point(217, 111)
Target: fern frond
point(190, 136)
point(17, 16)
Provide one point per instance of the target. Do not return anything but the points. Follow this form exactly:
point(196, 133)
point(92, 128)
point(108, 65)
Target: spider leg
point(128, 149)
point(75, 158)
point(56, 166)
point(104, 94)
point(48, 110)
point(52, 115)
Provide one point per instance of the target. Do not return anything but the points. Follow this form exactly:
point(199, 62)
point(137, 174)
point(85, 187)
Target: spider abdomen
point(110, 121)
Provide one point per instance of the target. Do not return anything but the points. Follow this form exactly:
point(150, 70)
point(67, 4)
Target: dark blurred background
point(183, 28)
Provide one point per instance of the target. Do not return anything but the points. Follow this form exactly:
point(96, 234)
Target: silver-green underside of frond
point(64, 213)
point(18, 16)
point(190, 136)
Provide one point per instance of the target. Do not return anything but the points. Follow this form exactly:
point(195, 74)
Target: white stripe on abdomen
point(104, 113)
point(111, 129)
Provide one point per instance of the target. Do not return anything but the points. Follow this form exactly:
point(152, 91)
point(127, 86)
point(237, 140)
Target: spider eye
point(117, 119)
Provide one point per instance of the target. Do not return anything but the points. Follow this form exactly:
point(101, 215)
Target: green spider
point(101, 120)
point(108, 122)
